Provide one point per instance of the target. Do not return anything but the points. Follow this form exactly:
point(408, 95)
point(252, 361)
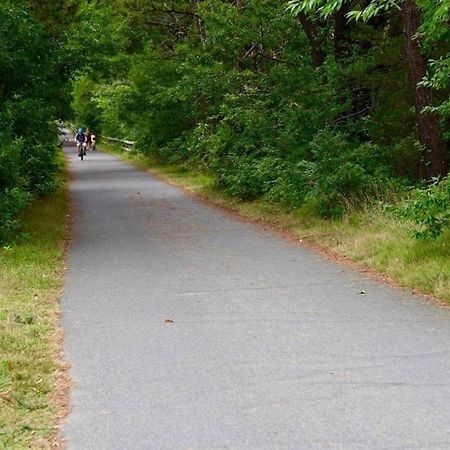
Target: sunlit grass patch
point(382, 243)
point(30, 284)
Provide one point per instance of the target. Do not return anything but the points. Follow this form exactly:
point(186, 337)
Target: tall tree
point(435, 152)
point(311, 29)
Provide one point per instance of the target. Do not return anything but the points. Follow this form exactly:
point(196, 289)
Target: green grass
point(371, 237)
point(31, 274)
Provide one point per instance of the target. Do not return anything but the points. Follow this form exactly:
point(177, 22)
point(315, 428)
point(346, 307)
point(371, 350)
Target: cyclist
point(94, 141)
point(88, 136)
point(80, 140)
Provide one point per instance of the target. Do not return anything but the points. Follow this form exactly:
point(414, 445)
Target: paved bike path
point(270, 346)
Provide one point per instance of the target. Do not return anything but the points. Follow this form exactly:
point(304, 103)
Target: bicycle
point(81, 146)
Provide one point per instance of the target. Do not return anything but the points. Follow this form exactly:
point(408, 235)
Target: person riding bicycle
point(94, 141)
point(80, 139)
point(88, 136)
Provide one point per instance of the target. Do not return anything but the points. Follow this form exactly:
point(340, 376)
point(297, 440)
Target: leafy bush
point(11, 202)
point(294, 184)
point(347, 173)
point(13, 196)
point(429, 209)
point(25, 170)
point(28, 139)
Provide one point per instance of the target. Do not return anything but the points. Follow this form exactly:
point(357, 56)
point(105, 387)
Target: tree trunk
point(435, 155)
point(341, 32)
point(310, 29)
point(198, 24)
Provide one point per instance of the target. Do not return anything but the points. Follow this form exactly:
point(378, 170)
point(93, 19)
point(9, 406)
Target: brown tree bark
point(310, 29)
point(435, 154)
point(198, 22)
point(341, 32)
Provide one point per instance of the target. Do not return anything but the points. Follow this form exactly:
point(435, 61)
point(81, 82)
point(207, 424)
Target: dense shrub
point(13, 195)
point(28, 139)
point(429, 209)
point(347, 173)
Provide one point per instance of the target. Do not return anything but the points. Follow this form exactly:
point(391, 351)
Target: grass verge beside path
point(31, 375)
point(371, 238)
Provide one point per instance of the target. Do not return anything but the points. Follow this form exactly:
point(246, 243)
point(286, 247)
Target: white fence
point(126, 145)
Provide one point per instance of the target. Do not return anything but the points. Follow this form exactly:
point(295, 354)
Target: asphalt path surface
point(187, 328)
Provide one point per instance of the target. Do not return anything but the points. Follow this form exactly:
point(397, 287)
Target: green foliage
point(13, 196)
point(429, 209)
point(435, 31)
point(229, 90)
point(28, 137)
point(326, 8)
point(96, 39)
point(347, 174)
point(11, 201)
point(83, 103)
